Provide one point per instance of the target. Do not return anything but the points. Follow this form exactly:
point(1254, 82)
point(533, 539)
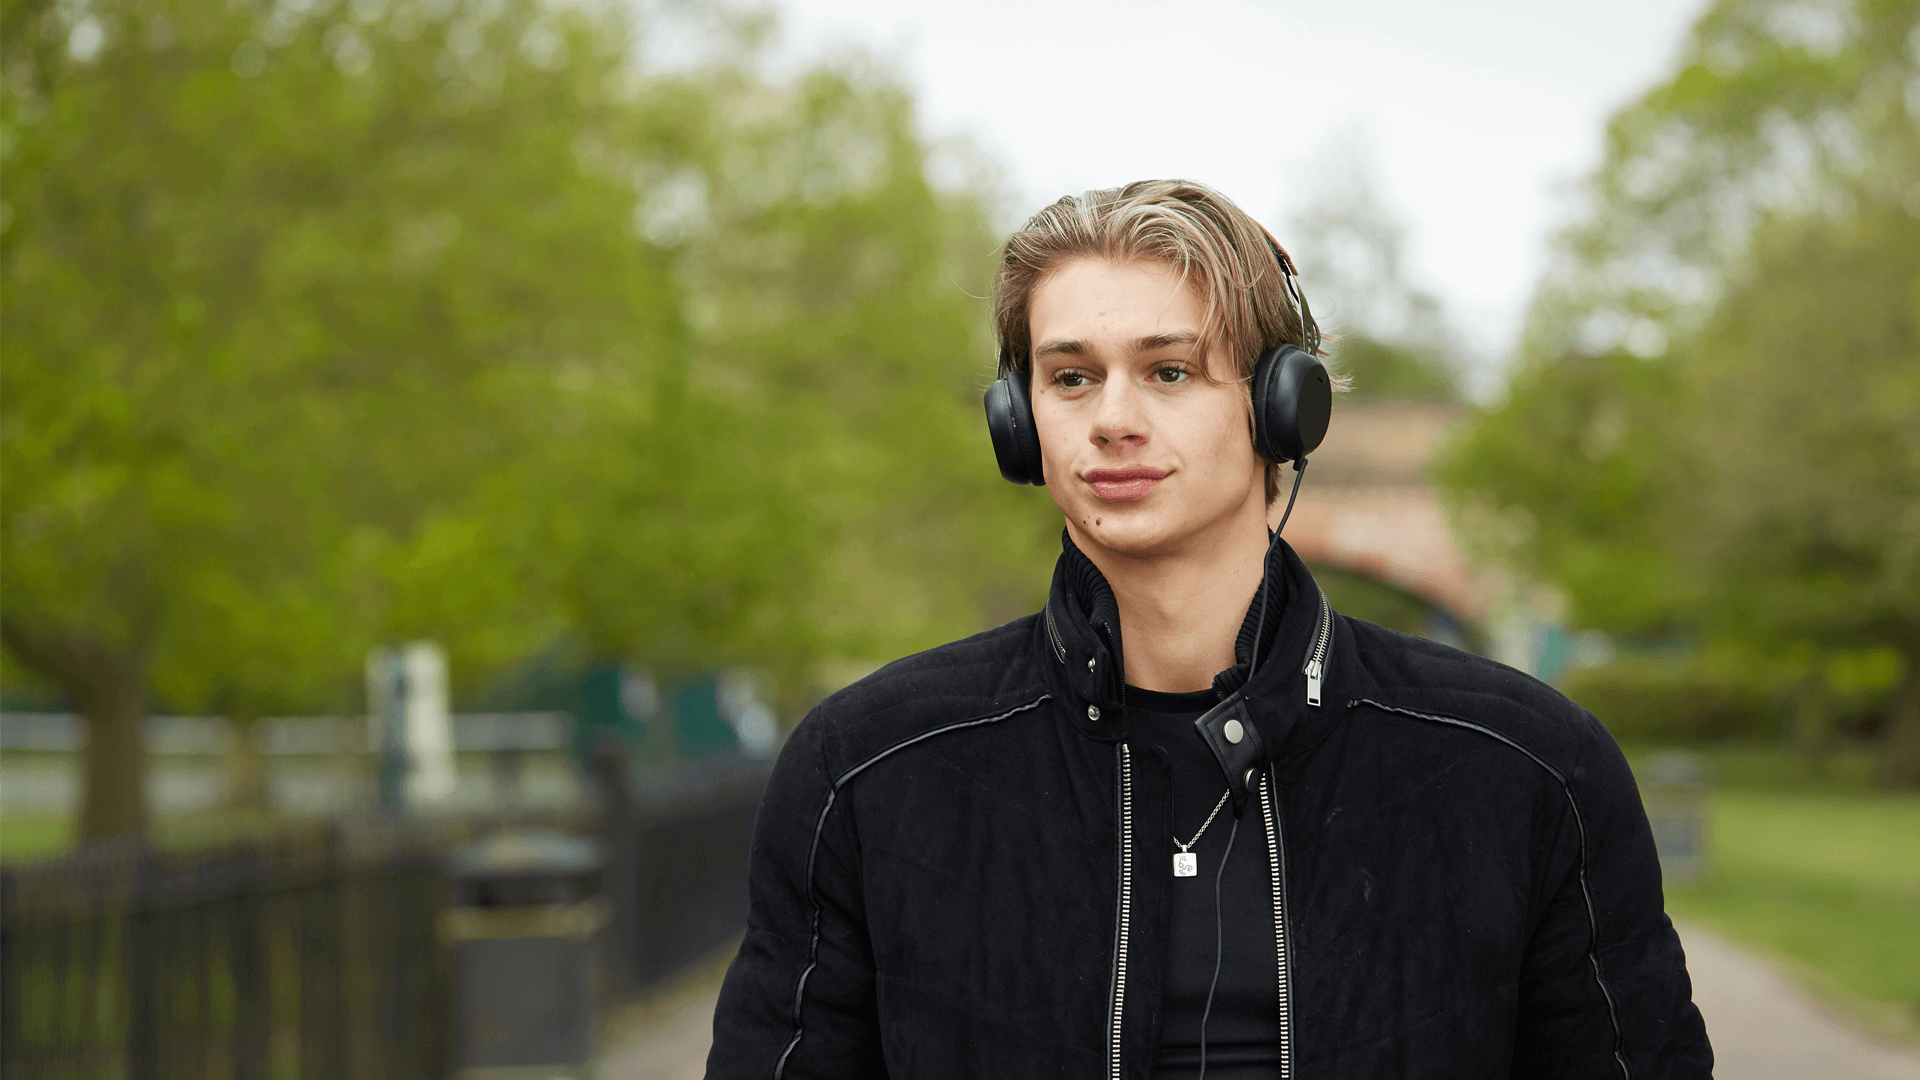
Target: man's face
point(1142, 453)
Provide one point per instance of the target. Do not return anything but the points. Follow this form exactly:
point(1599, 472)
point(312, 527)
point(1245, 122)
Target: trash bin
point(522, 927)
point(1673, 787)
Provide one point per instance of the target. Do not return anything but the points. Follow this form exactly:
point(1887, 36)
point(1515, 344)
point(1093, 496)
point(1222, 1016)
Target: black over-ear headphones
point(1292, 398)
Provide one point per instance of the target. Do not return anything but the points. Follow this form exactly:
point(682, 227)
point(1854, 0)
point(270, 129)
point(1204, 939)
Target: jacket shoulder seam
point(1580, 824)
point(813, 851)
point(1479, 675)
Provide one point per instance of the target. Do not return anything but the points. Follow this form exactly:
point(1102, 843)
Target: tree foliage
point(1713, 430)
point(1388, 335)
point(335, 324)
point(1778, 108)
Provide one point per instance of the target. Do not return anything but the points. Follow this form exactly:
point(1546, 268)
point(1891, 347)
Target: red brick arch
point(1367, 506)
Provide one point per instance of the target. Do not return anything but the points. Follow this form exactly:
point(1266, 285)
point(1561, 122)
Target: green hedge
point(1662, 700)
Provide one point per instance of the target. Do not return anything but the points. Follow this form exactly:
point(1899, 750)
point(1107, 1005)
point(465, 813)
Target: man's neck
point(1180, 613)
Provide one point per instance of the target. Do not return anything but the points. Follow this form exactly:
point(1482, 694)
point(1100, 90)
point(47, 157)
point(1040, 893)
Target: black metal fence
point(284, 956)
point(317, 954)
point(677, 865)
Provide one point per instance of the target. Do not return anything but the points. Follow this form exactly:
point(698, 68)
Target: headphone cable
point(1299, 474)
point(1260, 626)
point(1218, 947)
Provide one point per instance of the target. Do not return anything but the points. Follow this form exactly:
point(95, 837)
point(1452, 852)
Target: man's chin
point(1129, 530)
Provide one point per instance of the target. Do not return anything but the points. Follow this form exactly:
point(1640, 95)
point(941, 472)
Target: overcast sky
point(1474, 115)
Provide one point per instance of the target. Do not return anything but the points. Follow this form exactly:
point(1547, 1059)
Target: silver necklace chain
point(1203, 825)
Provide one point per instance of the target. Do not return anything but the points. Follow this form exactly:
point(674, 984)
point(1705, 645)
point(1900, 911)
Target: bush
point(1662, 699)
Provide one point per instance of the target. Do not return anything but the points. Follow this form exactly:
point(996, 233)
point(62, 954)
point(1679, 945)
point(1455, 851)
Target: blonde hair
point(1221, 253)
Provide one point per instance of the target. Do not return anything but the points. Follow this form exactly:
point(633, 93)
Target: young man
point(1180, 822)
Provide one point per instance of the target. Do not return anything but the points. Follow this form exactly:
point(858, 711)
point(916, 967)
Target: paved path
point(673, 1049)
point(1765, 1028)
point(1762, 1026)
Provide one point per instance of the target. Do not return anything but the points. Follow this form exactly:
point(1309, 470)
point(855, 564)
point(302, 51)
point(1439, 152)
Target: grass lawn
point(26, 838)
point(1828, 881)
point(1767, 766)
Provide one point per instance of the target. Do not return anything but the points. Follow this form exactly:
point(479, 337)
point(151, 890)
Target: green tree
point(1777, 107)
point(333, 326)
point(1389, 336)
point(290, 301)
point(1711, 431)
point(849, 507)
point(1805, 388)
point(839, 300)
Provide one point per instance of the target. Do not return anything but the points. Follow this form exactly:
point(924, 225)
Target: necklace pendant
point(1185, 864)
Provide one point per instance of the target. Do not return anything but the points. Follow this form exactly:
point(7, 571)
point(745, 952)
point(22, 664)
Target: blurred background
point(446, 444)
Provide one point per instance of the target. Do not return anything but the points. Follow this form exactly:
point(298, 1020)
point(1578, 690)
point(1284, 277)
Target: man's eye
point(1070, 379)
point(1171, 376)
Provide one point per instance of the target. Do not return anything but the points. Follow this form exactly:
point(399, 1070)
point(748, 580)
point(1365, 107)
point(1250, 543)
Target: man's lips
point(1124, 485)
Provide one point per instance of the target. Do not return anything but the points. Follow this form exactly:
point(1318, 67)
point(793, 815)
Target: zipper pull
point(1314, 673)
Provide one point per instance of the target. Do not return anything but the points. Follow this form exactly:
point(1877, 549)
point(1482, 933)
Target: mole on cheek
point(1096, 521)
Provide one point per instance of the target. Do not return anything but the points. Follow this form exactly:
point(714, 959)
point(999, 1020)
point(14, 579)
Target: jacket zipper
point(1315, 669)
point(1053, 631)
point(1277, 870)
point(1125, 913)
point(1316, 665)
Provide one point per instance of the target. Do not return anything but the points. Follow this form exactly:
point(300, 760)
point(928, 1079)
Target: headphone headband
point(1290, 285)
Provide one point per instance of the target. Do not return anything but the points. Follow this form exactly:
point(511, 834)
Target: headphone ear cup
point(1292, 403)
point(1016, 445)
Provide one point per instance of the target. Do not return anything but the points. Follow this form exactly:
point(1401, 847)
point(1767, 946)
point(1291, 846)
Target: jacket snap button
point(1089, 663)
point(1093, 712)
point(1234, 732)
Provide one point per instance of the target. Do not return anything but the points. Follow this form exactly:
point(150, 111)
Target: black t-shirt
point(1243, 1028)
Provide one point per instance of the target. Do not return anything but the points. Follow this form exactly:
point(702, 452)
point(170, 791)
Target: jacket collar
point(1080, 636)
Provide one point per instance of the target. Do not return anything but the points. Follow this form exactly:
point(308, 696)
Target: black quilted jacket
point(957, 866)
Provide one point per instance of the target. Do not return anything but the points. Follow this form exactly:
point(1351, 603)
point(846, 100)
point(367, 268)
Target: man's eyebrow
point(1070, 347)
point(1161, 341)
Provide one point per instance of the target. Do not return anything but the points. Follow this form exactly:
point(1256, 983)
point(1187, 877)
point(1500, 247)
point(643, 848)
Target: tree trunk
point(1812, 733)
point(109, 687)
point(247, 770)
point(113, 701)
point(1900, 758)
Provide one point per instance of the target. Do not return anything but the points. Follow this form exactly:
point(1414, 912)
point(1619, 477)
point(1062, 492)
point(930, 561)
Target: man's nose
point(1121, 417)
